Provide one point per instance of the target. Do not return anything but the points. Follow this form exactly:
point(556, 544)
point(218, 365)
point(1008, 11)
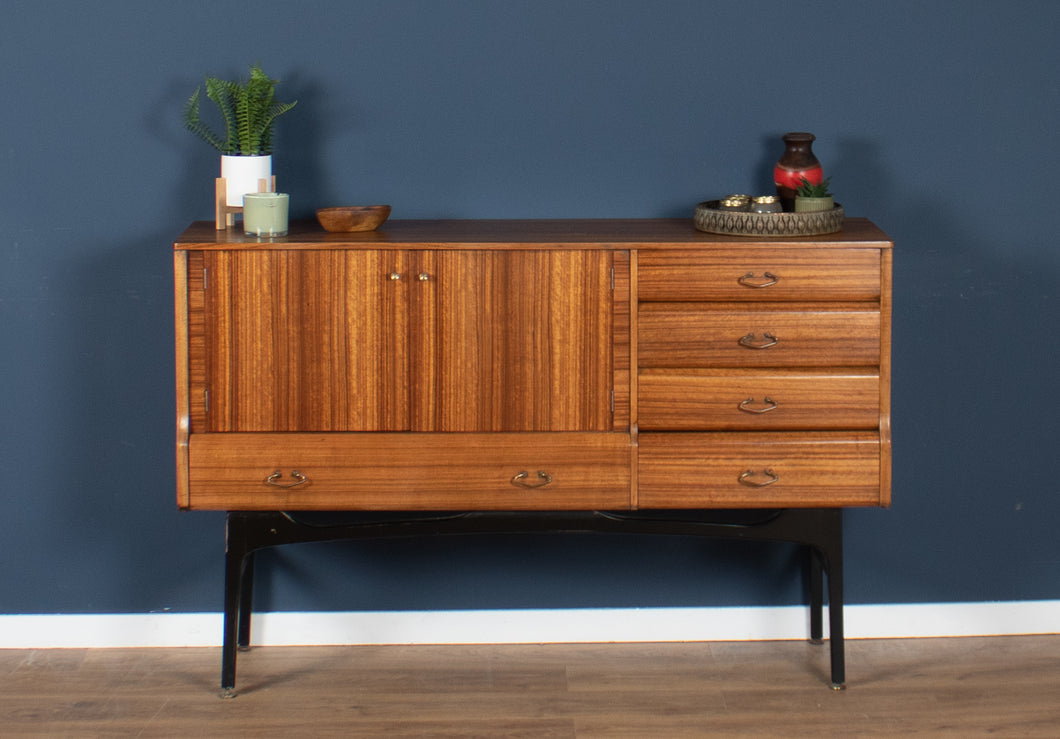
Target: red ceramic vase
point(797, 162)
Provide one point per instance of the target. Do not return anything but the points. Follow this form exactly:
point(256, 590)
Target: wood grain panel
point(703, 470)
point(410, 471)
point(621, 333)
point(331, 340)
point(758, 400)
point(709, 335)
point(181, 372)
point(512, 341)
point(312, 340)
point(886, 298)
point(193, 300)
point(728, 274)
point(513, 234)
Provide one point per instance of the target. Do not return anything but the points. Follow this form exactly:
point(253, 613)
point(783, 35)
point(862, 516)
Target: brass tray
point(737, 223)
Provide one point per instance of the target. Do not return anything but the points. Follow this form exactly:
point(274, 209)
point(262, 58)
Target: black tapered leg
point(816, 597)
point(246, 602)
point(236, 556)
point(835, 618)
point(826, 558)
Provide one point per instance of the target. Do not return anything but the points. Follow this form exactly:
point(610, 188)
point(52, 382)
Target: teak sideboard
point(577, 375)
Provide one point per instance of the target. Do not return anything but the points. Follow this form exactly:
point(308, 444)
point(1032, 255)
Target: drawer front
point(744, 470)
point(409, 471)
point(735, 400)
point(728, 335)
point(759, 274)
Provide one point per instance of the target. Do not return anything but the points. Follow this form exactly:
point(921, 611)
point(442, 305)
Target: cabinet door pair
point(396, 340)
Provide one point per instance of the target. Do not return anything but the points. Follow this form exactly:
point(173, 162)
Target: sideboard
point(454, 376)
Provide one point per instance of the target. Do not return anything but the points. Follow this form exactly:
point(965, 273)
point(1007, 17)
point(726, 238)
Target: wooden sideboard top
point(644, 233)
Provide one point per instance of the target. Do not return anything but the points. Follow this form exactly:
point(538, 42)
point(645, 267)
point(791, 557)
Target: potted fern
point(249, 111)
point(810, 198)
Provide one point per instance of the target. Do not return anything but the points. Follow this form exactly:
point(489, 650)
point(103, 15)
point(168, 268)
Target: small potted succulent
point(249, 111)
point(811, 198)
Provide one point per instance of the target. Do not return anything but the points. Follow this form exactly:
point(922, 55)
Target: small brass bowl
point(353, 217)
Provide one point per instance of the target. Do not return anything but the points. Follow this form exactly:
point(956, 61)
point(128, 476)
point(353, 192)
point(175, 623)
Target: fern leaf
point(275, 110)
point(193, 123)
point(222, 93)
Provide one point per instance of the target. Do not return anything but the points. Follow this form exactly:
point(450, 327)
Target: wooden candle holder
point(225, 214)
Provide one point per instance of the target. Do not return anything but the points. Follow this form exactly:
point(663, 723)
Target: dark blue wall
point(937, 120)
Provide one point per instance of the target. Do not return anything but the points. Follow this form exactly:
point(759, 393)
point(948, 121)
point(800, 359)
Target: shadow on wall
point(93, 525)
point(855, 165)
point(972, 372)
point(116, 504)
point(493, 571)
point(300, 162)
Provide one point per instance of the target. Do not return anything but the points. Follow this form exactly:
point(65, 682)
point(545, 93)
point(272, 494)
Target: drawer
point(735, 400)
point(759, 274)
point(409, 471)
point(711, 335)
point(751, 470)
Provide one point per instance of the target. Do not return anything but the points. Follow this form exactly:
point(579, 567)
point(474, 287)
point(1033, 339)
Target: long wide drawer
point(730, 335)
point(758, 400)
point(759, 274)
point(409, 471)
point(752, 470)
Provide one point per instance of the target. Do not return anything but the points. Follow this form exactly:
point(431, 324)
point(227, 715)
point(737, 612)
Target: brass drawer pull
point(746, 280)
point(523, 479)
point(395, 276)
point(767, 341)
point(745, 479)
point(275, 477)
point(771, 405)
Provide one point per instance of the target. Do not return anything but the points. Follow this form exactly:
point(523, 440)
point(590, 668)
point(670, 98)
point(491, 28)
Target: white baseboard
point(528, 626)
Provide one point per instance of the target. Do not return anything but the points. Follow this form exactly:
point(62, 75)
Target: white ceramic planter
point(242, 175)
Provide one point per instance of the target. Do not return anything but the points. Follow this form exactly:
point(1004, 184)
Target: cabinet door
point(511, 340)
point(306, 340)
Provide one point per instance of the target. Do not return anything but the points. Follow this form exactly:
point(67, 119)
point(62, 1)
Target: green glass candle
point(265, 213)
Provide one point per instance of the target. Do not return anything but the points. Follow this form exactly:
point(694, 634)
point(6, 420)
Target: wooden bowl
point(353, 217)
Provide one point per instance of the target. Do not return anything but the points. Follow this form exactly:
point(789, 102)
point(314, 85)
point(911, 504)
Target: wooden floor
point(966, 687)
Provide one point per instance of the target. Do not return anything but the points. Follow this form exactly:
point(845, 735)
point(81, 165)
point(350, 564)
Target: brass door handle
point(751, 342)
point(523, 479)
point(275, 480)
point(747, 280)
point(745, 478)
point(770, 405)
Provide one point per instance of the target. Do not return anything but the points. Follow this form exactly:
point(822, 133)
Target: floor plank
point(962, 687)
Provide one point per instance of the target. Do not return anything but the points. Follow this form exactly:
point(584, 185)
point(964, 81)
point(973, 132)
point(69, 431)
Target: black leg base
point(819, 529)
